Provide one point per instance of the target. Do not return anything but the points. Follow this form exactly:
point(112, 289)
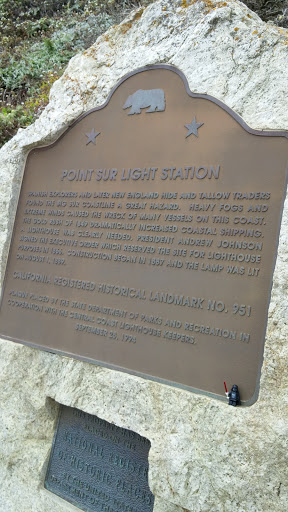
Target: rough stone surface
point(204, 456)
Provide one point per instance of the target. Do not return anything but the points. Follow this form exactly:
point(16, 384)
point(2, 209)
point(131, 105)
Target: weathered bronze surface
point(98, 466)
point(145, 238)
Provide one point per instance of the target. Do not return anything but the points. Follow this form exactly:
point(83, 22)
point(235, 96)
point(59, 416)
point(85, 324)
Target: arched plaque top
point(231, 112)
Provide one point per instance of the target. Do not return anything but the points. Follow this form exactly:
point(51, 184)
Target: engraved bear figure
point(153, 98)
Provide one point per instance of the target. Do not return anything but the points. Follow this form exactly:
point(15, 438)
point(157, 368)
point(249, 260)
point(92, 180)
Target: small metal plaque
point(145, 238)
point(98, 466)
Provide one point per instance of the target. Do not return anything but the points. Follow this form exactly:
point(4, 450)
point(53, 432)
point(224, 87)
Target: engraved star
point(193, 128)
point(92, 136)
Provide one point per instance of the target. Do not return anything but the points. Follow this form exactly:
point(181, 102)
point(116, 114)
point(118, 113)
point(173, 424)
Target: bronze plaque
point(98, 466)
point(145, 238)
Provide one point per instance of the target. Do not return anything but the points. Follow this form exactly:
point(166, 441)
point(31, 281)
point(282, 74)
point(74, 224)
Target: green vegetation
point(37, 39)
point(270, 10)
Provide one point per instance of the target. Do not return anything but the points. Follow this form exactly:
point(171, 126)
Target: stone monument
point(204, 455)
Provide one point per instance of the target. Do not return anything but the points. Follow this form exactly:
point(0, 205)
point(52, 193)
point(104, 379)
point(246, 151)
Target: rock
point(204, 456)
